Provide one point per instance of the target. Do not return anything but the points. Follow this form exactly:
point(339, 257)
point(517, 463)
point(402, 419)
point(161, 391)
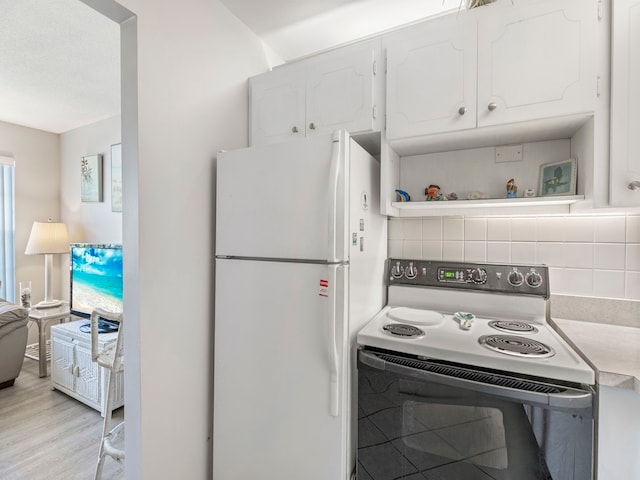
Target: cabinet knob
point(312, 126)
point(294, 129)
point(462, 110)
point(635, 185)
point(492, 106)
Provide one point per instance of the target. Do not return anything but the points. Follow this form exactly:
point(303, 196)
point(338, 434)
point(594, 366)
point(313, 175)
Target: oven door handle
point(569, 399)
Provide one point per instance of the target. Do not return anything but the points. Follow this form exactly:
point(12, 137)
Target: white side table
point(42, 317)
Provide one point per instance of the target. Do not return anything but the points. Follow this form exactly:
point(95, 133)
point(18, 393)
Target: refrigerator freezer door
point(283, 201)
point(280, 389)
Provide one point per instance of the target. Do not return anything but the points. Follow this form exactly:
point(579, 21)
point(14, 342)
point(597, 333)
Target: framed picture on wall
point(558, 178)
point(116, 177)
point(91, 178)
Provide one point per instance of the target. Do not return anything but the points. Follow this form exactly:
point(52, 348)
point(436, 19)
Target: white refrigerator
point(300, 253)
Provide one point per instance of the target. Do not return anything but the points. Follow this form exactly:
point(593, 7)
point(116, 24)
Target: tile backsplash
point(595, 256)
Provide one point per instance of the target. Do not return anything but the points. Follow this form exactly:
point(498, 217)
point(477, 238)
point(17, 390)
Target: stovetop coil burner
point(513, 326)
point(517, 346)
point(403, 330)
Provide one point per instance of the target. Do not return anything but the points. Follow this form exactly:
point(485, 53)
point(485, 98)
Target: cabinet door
point(431, 77)
point(341, 90)
point(618, 439)
point(87, 377)
point(277, 105)
point(62, 362)
point(625, 104)
point(536, 61)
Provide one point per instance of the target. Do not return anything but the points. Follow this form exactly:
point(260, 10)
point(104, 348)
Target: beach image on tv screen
point(96, 279)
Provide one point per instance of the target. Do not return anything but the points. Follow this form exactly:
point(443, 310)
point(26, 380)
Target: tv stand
point(74, 373)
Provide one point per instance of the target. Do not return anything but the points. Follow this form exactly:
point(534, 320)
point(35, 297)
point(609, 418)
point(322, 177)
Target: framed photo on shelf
point(91, 178)
point(558, 178)
point(116, 177)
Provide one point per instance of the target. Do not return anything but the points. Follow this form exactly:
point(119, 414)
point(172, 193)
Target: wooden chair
point(112, 359)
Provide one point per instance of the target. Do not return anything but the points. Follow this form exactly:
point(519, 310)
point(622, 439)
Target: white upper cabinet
point(494, 65)
point(277, 102)
point(537, 61)
point(341, 91)
point(337, 90)
point(625, 104)
point(431, 77)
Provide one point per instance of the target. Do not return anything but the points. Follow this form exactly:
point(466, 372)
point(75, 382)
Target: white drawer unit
point(74, 373)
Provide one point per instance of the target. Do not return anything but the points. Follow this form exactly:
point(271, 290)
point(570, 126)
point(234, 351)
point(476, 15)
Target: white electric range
point(461, 375)
point(507, 329)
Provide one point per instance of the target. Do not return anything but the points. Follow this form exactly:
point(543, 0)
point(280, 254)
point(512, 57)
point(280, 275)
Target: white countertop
point(612, 349)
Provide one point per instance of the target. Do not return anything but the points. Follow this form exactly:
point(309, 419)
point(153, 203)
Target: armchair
point(13, 341)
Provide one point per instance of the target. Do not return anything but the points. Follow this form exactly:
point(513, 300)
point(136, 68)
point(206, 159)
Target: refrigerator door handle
point(334, 380)
point(334, 176)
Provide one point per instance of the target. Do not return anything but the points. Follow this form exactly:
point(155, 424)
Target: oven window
point(414, 430)
point(432, 432)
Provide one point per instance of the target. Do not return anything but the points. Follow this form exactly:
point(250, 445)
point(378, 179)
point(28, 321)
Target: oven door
point(423, 419)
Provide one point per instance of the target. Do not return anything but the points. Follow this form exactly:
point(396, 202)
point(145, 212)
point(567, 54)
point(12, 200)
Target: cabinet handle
point(492, 106)
point(294, 129)
point(312, 126)
point(462, 110)
point(635, 186)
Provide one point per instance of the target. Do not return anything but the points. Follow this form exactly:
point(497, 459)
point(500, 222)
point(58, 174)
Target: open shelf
point(492, 206)
point(33, 351)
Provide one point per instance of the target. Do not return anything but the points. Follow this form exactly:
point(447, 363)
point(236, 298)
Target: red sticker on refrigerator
point(324, 288)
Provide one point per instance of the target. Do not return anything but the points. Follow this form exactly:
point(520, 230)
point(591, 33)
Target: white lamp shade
point(47, 237)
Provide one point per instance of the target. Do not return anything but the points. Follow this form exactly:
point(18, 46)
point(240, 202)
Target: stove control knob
point(411, 271)
point(479, 276)
point(534, 279)
point(515, 278)
point(397, 270)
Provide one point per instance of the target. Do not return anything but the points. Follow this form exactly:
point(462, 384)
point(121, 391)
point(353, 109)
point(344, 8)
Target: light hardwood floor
point(46, 435)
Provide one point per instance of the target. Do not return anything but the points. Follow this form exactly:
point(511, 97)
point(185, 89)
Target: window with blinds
point(7, 230)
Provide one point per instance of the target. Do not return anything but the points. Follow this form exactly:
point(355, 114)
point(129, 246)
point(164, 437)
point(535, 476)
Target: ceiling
point(59, 64)
point(296, 28)
point(60, 59)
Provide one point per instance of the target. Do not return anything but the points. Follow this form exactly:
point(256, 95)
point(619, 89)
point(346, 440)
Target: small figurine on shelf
point(433, 192)
point(512, 189)
point(452, 196)
point(529, 192)
point(477, 195)
point(403, 196)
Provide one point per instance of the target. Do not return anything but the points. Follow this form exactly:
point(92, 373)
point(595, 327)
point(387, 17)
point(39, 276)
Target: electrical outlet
point(508, 153)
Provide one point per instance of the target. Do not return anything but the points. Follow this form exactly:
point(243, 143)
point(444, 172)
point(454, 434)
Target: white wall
point(37, 175)
point(87, 221)
point(193, 59)
point(48, 186)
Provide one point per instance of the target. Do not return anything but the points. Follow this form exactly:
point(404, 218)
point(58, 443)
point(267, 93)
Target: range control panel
point(520, 279)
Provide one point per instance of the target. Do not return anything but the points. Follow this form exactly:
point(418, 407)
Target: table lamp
point(46, 239)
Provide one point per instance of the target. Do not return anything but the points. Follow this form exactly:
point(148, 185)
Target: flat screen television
point(96, 278)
